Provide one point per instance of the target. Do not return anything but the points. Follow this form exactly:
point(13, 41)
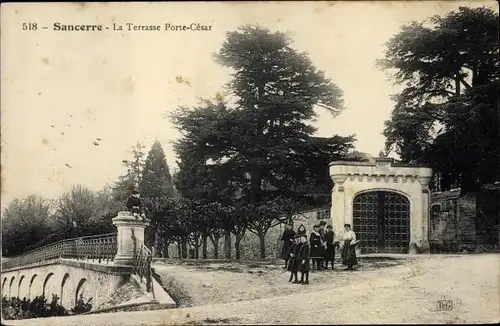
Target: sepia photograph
point(250, 162)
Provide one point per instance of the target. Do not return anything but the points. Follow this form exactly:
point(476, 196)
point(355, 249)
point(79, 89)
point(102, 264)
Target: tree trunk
point(156, 244)
point(196, 248)
point(215, 243)
point(262, 242)
point(227, 244)
point(237, 245)
point(184, 248)
point(457, 86)
point(179, 249)
point(204, 246)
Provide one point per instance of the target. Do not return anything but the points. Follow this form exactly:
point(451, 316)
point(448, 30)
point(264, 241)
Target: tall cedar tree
point(261, 148)
point(448, 115)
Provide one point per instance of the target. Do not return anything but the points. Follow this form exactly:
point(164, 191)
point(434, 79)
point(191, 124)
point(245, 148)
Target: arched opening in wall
point(3, 285)
point(20, 295)
point(32, 291)
point(80, 291)
point(381, 221)
point(64, 283)
point(10, 286)
point(48, 287)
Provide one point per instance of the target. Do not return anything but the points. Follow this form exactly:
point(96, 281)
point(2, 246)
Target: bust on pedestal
point(127, 225)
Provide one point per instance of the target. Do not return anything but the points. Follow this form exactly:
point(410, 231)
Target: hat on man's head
point(347, 225)
point(133, 189)
point(315, 226)
point(322, 223)
point(329, 227)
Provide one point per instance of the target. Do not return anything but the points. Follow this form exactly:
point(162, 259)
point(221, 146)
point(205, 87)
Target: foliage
point(132, 177)
point(258, 150)
point(156, 180)
point(156, 184)
point(81, 205)
point(26, 220)
point(15, 308)
point(449, 108)
point(33, 222)
point(82, 306)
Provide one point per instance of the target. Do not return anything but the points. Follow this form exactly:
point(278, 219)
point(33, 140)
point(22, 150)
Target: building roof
point(396, 165)
point(450, 194)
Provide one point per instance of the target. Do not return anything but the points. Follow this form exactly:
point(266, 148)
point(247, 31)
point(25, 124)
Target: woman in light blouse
point(348, 250)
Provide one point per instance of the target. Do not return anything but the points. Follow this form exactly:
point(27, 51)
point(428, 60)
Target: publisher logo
point(444, 305)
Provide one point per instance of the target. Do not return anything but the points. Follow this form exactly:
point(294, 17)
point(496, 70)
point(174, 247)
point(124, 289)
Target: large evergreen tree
point(156, 180)
point(262, 148)
point(448, 115)
point(132, 178)
point(155, 186)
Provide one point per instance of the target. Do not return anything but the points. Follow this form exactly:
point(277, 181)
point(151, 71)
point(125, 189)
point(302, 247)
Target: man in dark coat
point(330, 247)
point(303, 259)
point(134, 205)
point(317, 248)
point(288, 239)
point(293, 263)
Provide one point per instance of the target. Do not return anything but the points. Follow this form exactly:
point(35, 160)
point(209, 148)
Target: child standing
point(303, 259)
point(293, 263)
point(316, 247)
point(330, 247)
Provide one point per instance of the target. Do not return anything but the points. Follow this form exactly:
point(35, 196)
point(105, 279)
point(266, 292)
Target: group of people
point(298, 252)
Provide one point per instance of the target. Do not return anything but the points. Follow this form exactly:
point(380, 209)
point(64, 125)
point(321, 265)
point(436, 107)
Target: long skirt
point(285, 251)
point(293, 265)
point(304, 267)
point(349, 254)
point(330, 252)
point(317, 252)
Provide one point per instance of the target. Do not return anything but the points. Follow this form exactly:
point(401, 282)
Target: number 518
point(30, 26)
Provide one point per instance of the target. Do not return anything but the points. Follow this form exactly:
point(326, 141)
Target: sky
point(63, 90)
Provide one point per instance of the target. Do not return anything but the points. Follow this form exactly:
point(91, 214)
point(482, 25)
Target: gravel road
point(403, 294)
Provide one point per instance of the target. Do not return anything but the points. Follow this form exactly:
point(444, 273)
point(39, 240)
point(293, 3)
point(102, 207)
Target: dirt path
point(405, 294)
point(200, 284)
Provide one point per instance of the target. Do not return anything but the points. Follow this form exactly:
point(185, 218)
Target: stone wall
point(452, 221)
point(66, 279)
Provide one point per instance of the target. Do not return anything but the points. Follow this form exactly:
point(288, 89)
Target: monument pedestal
point(128, 226)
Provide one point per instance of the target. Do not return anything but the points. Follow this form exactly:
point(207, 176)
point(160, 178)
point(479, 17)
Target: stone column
point(126, 225)
point(424, 242)
point(337, 212)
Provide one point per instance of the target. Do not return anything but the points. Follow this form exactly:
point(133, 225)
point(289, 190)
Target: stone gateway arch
point(386, 203)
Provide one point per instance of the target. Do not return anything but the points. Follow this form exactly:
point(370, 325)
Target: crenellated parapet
point(383, 170)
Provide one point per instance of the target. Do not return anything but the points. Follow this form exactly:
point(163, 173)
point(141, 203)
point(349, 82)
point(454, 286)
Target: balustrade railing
point(142, 263)
point(101, 248)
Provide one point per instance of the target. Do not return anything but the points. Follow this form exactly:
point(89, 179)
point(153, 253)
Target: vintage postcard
point(286, 162)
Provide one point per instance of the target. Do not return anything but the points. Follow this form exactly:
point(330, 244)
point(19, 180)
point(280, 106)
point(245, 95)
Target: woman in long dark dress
point(287, 238)
point(317, 248)
point(348, 250)
point(330, 247)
